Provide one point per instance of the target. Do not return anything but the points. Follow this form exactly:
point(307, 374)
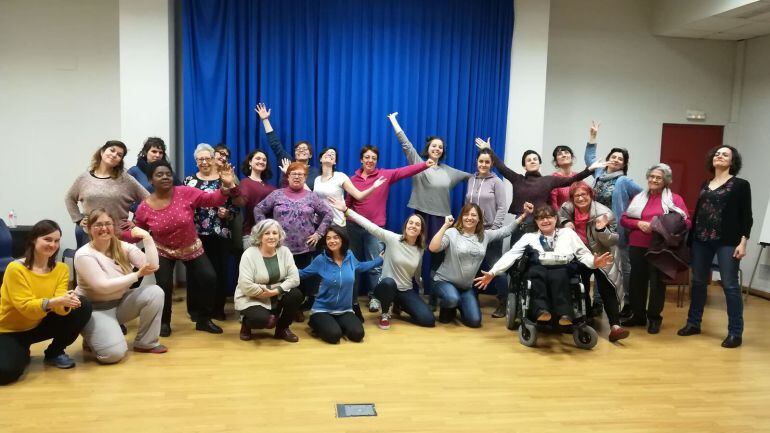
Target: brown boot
point(285, 334)
point(245, 333)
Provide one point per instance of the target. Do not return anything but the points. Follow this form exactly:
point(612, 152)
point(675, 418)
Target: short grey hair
point(665, 169)
point(203, 147)
point(261, 227)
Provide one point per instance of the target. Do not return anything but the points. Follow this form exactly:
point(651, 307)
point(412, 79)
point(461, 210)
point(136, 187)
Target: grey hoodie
point(488, 192)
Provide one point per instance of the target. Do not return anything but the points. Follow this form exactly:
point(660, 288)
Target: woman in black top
point(721, 226)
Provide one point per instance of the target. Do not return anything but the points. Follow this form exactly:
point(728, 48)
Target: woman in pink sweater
point(656, 201)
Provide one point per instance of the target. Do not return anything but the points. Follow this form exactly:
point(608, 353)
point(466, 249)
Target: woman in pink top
point(656, 201)
point(168, 214)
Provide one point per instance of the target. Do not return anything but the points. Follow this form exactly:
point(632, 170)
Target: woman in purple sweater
point(302, 214)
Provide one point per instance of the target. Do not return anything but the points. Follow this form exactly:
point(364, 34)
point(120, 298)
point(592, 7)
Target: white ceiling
point(745, 21)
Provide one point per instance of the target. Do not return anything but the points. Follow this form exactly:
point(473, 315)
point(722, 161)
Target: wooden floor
point(447, 379)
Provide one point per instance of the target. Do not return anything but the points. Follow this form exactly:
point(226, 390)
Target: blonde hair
point(115, 251)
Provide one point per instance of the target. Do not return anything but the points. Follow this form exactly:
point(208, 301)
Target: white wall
point(60, 93)
point(604, 64)
point(753, 142)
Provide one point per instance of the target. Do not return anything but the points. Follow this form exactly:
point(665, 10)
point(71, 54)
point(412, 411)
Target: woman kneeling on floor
point(332, 314)
point(267, 295)
point(105, 271)
point(549, 275)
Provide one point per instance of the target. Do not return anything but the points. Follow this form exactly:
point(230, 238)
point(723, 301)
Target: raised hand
point(226, 175)
point(481, 144)
point(597, 164)
point(147, 269)
point(381, 180)
point(603, 260)
point(285, 165)
point(262, 111)
point(139, 233)
point(337, 203)
point(392, 116)
point(528, 208)
point(483, 281)
point(430, 163)
point(593, 131)
point(448, 221)
point(601, 221)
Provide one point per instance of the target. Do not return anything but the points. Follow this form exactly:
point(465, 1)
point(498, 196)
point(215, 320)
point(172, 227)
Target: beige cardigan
point(253, 277)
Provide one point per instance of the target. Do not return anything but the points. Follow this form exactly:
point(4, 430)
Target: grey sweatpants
point(102, 333)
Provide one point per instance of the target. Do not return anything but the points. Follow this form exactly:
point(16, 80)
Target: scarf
point(640, 201)
point(609, 176)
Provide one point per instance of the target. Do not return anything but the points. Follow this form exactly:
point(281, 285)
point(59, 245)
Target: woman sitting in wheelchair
point(549, 273)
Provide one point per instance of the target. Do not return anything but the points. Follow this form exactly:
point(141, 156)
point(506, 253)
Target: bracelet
point(45, 305)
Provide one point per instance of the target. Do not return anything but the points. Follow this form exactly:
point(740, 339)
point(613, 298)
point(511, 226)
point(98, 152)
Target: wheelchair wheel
point(527, 334)
point(585, 337)
point(512, 320)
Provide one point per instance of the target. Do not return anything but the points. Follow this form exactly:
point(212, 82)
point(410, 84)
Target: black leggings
point(308, 285)
point(643, 273)
point(257, 316)
point(606, 291)
point(218, 251)
point(550, 290)
point(201, 285)
point(331, 327)
point(64, 330)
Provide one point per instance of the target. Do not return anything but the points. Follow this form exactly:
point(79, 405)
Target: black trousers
point(409, 300)
point(201, 286)
point(309, 285)
point(606, 291)
point(647, 291)
point(64, 330)
point(218, 251)
point(550, 290)
point(331, 327)
point(257, 316)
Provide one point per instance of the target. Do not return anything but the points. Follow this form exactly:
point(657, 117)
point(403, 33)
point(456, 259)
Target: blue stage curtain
point(331, 71)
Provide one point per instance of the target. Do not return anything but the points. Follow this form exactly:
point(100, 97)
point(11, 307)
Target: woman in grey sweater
point(403, 255)
point(430, 188)
point(465, 243)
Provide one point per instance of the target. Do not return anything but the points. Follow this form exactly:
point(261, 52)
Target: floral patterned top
point(603, 191)
point(709, 218)
point(207, 222)
point(296, 213)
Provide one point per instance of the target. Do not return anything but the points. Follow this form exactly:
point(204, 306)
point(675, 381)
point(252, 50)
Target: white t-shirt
point(332, 188)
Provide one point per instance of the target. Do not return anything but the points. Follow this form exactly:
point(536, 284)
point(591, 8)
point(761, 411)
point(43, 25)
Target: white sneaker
point(374, 305)
point(384, 322)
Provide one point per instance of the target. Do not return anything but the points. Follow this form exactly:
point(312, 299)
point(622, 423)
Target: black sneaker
point(165, 329)
point(499, 311)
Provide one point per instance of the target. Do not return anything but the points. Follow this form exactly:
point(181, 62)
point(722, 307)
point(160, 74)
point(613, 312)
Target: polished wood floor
point(447, 379)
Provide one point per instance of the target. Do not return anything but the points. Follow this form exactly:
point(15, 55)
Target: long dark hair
point(96, 159)
point(425, 148)
point(246, 165)
point(151, 142)
point(344, 242)
point(735, 165)
point(420, 241)
point(626, 158)
point(41, 228)
point(479, 229)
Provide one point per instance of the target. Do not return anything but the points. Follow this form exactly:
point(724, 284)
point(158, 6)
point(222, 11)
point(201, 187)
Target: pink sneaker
point(384, 322)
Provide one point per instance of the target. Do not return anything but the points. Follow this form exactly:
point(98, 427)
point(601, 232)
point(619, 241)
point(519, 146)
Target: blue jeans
point(81, 237)
point(451, 297)
point(702, 255)
point(365, 247)
point(493, 254)
point(409, 300)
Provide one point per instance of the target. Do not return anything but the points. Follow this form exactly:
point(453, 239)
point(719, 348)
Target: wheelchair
point(518, 309)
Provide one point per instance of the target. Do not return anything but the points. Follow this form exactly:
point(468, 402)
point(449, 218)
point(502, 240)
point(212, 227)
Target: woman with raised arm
point(254, 188)
point(365, 246)
point(169, 214)
point(431, 188)
point(596, 226)
point(721, 228)
point(563, 158)
point(403, 255)
point(105, 185)
point(488, 192)
point(105, 271)
point(302, 151)
point(614, 189)
point(465, 243)
point(35, 305)
point(530, 187)
point(658, 200)
point(303, 215)
point(213, 224)
point(333, 183)
point(267, 296)
point(332, 315)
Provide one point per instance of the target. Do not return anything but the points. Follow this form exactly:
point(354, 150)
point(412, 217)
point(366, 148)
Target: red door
point(684, 148)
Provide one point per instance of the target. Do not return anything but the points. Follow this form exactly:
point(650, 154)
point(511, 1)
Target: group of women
point(308, 247)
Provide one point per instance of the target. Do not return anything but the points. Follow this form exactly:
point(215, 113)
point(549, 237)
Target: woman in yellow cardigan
point(36, 306)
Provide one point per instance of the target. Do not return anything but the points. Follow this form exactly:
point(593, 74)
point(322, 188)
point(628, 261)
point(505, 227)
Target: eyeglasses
point(102, 225)
point(297, 174)
point(223, 154)
point(203, 159)
point(580, 194)
point(655, 178)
